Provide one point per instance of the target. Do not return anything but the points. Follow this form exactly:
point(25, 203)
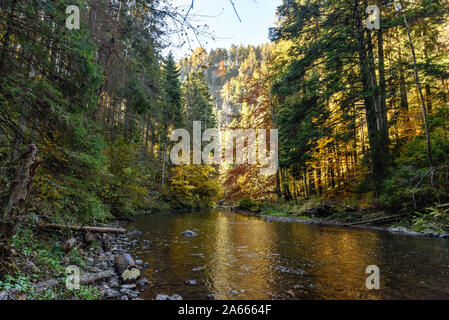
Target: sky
point(256, 15)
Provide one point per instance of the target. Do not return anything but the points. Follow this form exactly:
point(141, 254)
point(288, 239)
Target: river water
point(243, 257)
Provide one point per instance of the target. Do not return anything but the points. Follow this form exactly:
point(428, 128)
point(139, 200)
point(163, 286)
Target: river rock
point(430, 234)
point(135, 233)
point(146, 265)
point(404, 231)
point(291, 271)
point(444, 235)
point(143, 282)
point(189, 233)
point(111, 294)
point(90, 262)
point(211, 297)
point(30, 266)
point(198, 269)
point(114, 282)
point(191, 282)
point(3, 295)
point(166, 297)
point(124, 297)
point(128, 287)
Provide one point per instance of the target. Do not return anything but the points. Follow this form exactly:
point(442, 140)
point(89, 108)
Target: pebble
point(166, 297)
point(191, 282)
point(188, 233)
point(143, 282)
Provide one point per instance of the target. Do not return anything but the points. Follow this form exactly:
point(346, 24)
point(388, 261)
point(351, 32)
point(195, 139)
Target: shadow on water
point(242, 257)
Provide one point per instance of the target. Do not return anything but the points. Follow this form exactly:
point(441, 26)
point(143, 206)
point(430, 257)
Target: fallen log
point(81, 228)
point(86, 278)
point(67, 245)
point(126, 268)
point(374, 220)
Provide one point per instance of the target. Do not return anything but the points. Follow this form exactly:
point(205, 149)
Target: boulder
point(189, 233)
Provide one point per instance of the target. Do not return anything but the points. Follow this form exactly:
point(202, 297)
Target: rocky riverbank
point(402, 230)
point(96, 262)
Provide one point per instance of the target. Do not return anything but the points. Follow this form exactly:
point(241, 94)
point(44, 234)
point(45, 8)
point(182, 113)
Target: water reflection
point(241, 257)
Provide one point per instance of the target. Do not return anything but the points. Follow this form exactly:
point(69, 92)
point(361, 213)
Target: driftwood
point(375, 220)
point(67, 245)
point(86, 278)
point(442, 206)
point(126, 268)
point(81, 228)
point(22, 183)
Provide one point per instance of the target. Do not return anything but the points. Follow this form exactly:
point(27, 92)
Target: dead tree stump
point(22, 183)
point(126, 268)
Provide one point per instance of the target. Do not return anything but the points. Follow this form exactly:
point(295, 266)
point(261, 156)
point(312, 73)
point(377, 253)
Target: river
point(243, 257)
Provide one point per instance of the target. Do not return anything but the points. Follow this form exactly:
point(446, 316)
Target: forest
point(362, 116)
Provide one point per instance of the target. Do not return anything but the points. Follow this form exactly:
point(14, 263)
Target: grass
point(50, 262)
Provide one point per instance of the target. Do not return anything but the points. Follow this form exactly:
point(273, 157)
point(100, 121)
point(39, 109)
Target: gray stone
point(114, 282)
point(3, 295)
point(125, 291)
point(133, 294)
point(191, 282)
point(90, 262)
point(291, 271)
point(146, 265)
point(111, 294)
point(143, 282)
point(128, 287)
point(444, 235)
point(103, 265)
point(188, 233)
point(30, 266)
point(233, 292)
point(211, 297)
point(135, 232)
point(198, 269)
point(166, 297)
point(404, 231)
point(139, 262)
point(124, 298)
point(431, 234)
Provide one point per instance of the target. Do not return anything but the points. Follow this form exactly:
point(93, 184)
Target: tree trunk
point(164, 156)
point(421, 97)
point(126, 268)
point(374, 135)
point(81, 228)
point(382, 91)
point(7, 35)
point(108, 63)
point(22, 183)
